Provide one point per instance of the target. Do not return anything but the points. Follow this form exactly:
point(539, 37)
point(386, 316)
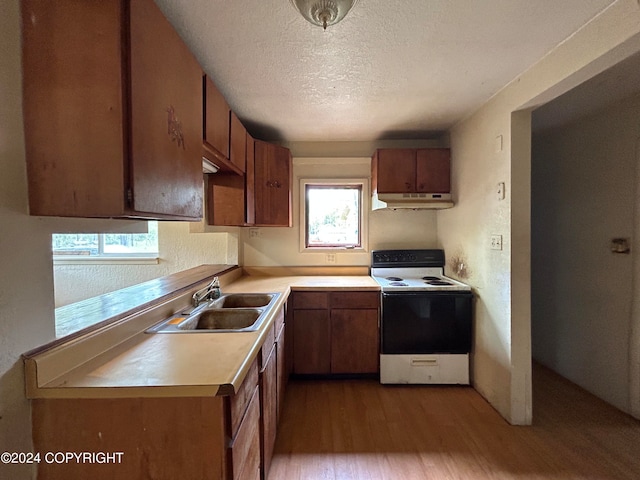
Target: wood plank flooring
point(359, 430)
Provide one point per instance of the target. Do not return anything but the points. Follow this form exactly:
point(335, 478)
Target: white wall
point(502, 350)
point(179, 249)
point(584, 184)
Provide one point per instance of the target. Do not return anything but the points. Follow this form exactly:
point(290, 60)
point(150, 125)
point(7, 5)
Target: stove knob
point(412, 258)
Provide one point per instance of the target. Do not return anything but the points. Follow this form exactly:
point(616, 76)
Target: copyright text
point(61, 457)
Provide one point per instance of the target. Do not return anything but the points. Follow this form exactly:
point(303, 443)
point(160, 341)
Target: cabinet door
point(354, 341)
point(396, 170)
point(166, 117)
point(433, 172)
point(249, 184)
point(311, 342)
point(216, 119)
point(245, 447)
point(238, 150)
point(272, 184)
point(73, 106)
point(282, 372)
point(225, 199)
point(268, 409)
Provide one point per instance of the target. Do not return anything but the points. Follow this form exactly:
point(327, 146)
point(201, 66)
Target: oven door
point(426, 322)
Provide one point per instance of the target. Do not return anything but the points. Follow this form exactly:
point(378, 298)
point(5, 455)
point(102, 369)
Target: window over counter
point(106, 247)
point(333, 214)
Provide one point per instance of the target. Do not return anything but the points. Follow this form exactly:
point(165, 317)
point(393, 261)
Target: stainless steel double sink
point(234, 312)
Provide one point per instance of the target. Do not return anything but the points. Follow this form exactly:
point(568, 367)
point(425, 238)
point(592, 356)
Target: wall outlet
point(330, 258)
point(254, 233)
point(496, 242)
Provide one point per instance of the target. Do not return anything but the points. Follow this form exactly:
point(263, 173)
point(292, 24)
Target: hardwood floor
point(362, 430)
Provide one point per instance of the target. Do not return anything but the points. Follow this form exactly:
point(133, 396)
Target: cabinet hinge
point(129, 197)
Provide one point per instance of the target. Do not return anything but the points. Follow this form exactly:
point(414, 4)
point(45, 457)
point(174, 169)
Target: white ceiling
point(393, 69)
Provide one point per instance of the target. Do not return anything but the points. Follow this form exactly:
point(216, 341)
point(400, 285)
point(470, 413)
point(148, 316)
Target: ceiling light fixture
point(323, 12)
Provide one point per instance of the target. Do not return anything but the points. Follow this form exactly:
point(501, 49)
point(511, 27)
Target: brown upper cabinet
point(112, 112)
point(260, 197)
point(272, 184)
point(238, 143)
point(216, 123)
point(410, 170)
point(230, 200)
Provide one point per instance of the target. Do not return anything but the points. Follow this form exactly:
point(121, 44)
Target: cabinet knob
point(408, 185)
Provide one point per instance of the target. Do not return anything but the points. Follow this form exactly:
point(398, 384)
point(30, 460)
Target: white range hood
point(415, 201)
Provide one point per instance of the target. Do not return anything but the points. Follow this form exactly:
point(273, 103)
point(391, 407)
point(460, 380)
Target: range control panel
point(407, 258)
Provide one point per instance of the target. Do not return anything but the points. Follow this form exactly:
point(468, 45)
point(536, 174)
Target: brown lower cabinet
point(268, 406)
point(336, 332)
point(217, 438)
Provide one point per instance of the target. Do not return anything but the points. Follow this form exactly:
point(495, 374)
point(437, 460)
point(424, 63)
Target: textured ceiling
point(393, 69)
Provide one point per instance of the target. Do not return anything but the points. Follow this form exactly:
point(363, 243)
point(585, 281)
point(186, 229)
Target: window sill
point(87, 260)
point(333, 250)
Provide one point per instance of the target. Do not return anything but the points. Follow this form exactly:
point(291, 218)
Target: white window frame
point(103, 258)
point(363, 183)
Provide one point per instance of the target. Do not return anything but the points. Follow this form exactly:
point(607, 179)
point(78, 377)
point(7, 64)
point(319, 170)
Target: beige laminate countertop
point(197, 364)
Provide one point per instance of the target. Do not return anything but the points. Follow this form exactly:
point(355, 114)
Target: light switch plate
point(500, 191)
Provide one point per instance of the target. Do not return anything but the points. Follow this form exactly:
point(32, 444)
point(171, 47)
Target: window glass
point(107, 244)
point(333, 215)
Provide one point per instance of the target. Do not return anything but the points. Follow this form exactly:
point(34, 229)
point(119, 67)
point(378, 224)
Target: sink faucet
point(210, 292)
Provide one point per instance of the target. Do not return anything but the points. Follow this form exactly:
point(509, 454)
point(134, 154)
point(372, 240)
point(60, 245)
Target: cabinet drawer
point(355, 299)
point(267, 346)
point(279, 323)
point(239, 401)
point(310, 300)
point(245, 449)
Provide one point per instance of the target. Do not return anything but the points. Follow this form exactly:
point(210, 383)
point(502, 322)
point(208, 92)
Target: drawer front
point(245, 449)
point(239, 401)
point(355, 299)
point(267, 346)
point(310, 300)
point(279, 322)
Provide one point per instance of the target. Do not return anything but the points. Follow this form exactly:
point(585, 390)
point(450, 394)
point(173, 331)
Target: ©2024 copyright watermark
point(61, 457)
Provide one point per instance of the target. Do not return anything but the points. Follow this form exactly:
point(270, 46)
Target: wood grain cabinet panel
point(411, 170)
point(216, 120)
point(238, 402)
point(245, 447)
point(268, 408)
point(272, 170)
point(238, 141)
point(336, 332)
point(113, 112)
point(249, 182)
point(225, 199)
point(354, 341)
point(396, 170)
point(311, 342)
point(161, 438)
point(433, 170)
point(282, 369)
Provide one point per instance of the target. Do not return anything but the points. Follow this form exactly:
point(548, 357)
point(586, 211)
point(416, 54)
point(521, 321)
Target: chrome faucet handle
point(210, 292)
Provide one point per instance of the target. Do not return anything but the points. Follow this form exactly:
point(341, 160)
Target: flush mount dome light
point(323, 12)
